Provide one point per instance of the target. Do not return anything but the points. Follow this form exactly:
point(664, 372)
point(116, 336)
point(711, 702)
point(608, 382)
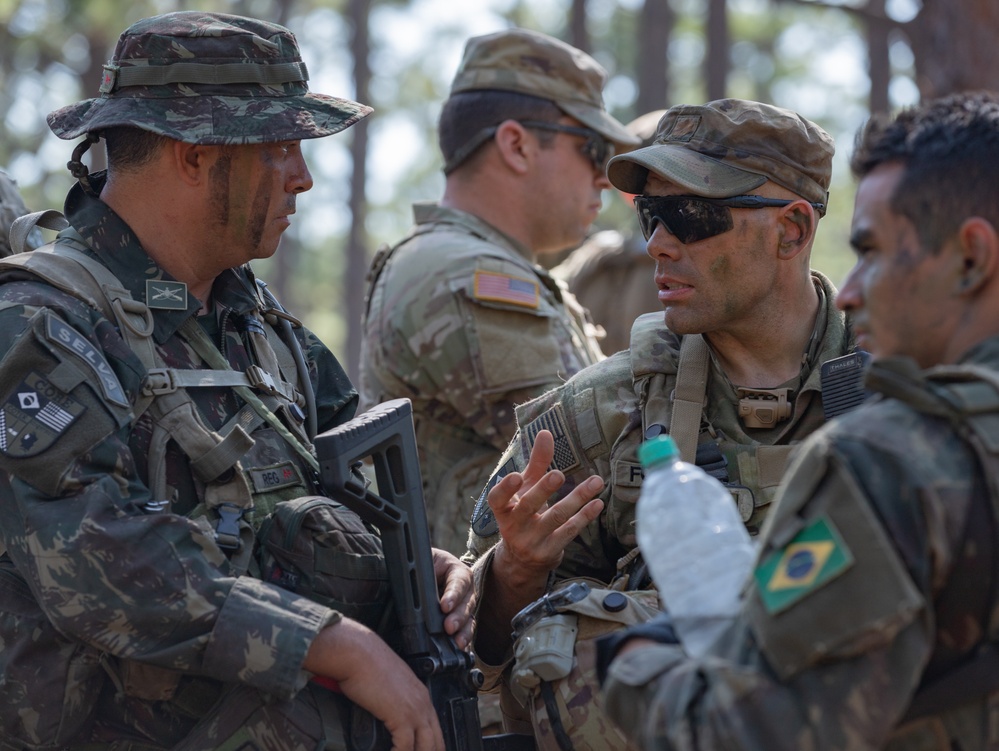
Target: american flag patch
point(490, 285)
point(566, 456)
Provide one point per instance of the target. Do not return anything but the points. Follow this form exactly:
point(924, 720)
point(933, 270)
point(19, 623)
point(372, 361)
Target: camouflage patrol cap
point(208, 78)
point(728, 147)
point(529, 62)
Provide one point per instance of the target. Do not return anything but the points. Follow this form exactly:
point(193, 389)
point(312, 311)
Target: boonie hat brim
point(214, 119)
point(698, 173)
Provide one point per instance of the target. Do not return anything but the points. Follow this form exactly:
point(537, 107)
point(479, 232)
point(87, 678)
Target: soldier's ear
point(978, 243)
point(514, 145)
point(192, 161)
point(797, 228)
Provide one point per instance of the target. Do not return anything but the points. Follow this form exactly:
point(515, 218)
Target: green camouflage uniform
point(598, 420)
point(876, 577)
point(90, 552)
point(122, 620)
point(461, 322)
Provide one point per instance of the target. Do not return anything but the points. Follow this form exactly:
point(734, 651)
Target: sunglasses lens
point(599, 151)
point(686, 218)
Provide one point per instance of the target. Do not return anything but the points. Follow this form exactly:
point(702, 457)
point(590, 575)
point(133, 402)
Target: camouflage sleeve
point(837, 624)
point(108, 571)
point(479, 339)
point(586, 416)
point(336, 398)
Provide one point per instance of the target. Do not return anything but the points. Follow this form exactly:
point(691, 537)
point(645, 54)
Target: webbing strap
point(688, 395)
point(21, 227)
point(198, 339)
point(202, 73)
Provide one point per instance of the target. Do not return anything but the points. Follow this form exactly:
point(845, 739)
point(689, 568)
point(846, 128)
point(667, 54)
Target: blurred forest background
point(834, 61)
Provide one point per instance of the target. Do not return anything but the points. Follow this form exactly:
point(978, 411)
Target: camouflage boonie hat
point(531, 63)
point(731, 146)
point(208, 78)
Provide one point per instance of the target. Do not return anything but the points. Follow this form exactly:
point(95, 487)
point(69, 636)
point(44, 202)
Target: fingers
point(458, 600)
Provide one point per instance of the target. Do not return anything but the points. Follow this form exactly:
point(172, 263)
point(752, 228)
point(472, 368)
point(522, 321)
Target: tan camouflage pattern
point(11, 207)
point(837, 668)
point(728, 147)
point(598, 419)
point(611, 275)
point(536, 64)
point(113, 606)
point(209, 113)
point(464, 362)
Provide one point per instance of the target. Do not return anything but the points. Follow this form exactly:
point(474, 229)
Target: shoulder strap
point(688, 399)
point(21, 227)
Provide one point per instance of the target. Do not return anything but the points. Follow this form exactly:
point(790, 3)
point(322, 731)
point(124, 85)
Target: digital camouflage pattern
point(258, 90)
point(729, 147)
point(876, 574)
point(536, 64)
point(612, 276)
point(11, 207)
point(91, 649)
point(463, 324)
point(598, 420)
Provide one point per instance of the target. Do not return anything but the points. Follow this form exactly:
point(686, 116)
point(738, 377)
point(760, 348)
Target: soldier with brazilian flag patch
point(157, 405)
point(870, 619)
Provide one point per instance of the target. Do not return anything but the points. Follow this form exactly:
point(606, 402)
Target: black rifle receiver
point(385, 435)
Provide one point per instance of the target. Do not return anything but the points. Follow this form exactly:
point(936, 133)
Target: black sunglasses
point(693, 218)
point(596, 148)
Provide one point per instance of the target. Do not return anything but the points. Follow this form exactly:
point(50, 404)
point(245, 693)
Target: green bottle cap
point(657, 450)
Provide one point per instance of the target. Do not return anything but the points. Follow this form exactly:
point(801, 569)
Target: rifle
point(385, 434)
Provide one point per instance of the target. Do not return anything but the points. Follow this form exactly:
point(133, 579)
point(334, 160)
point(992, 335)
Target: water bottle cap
point(660, 449)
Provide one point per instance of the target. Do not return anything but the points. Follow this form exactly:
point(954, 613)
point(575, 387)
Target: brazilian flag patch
point(815, 556)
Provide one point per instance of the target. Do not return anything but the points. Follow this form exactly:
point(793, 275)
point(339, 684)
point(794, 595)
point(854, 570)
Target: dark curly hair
point(949, 148)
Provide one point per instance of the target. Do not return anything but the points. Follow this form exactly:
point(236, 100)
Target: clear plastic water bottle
point(694, 542)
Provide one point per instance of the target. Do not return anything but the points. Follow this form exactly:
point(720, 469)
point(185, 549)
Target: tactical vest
point(968, 397)
point(673, 403)
point(242, 486)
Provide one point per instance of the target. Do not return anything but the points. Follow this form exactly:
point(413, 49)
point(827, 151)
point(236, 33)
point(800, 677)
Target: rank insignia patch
point(566, 456)
point(34, 415)
point(491, 286)
point(815, 556)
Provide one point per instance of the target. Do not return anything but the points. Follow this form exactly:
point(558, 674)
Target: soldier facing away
point(871, 619)
point(460, 318)
point(155, 409)
point(730, 197)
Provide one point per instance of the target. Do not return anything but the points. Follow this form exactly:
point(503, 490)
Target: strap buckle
point(159, 381)
point(227, 527)
point(262, 381)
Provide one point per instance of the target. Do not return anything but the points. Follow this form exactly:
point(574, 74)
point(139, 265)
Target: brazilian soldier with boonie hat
point(728, 196)
point(460, 318)
point(158, 405)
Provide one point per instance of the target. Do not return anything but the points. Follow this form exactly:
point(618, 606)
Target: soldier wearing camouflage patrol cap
point(610, 273)
point(460, 319)
point(157, 404)
point(729, 196)
point(870, 618)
